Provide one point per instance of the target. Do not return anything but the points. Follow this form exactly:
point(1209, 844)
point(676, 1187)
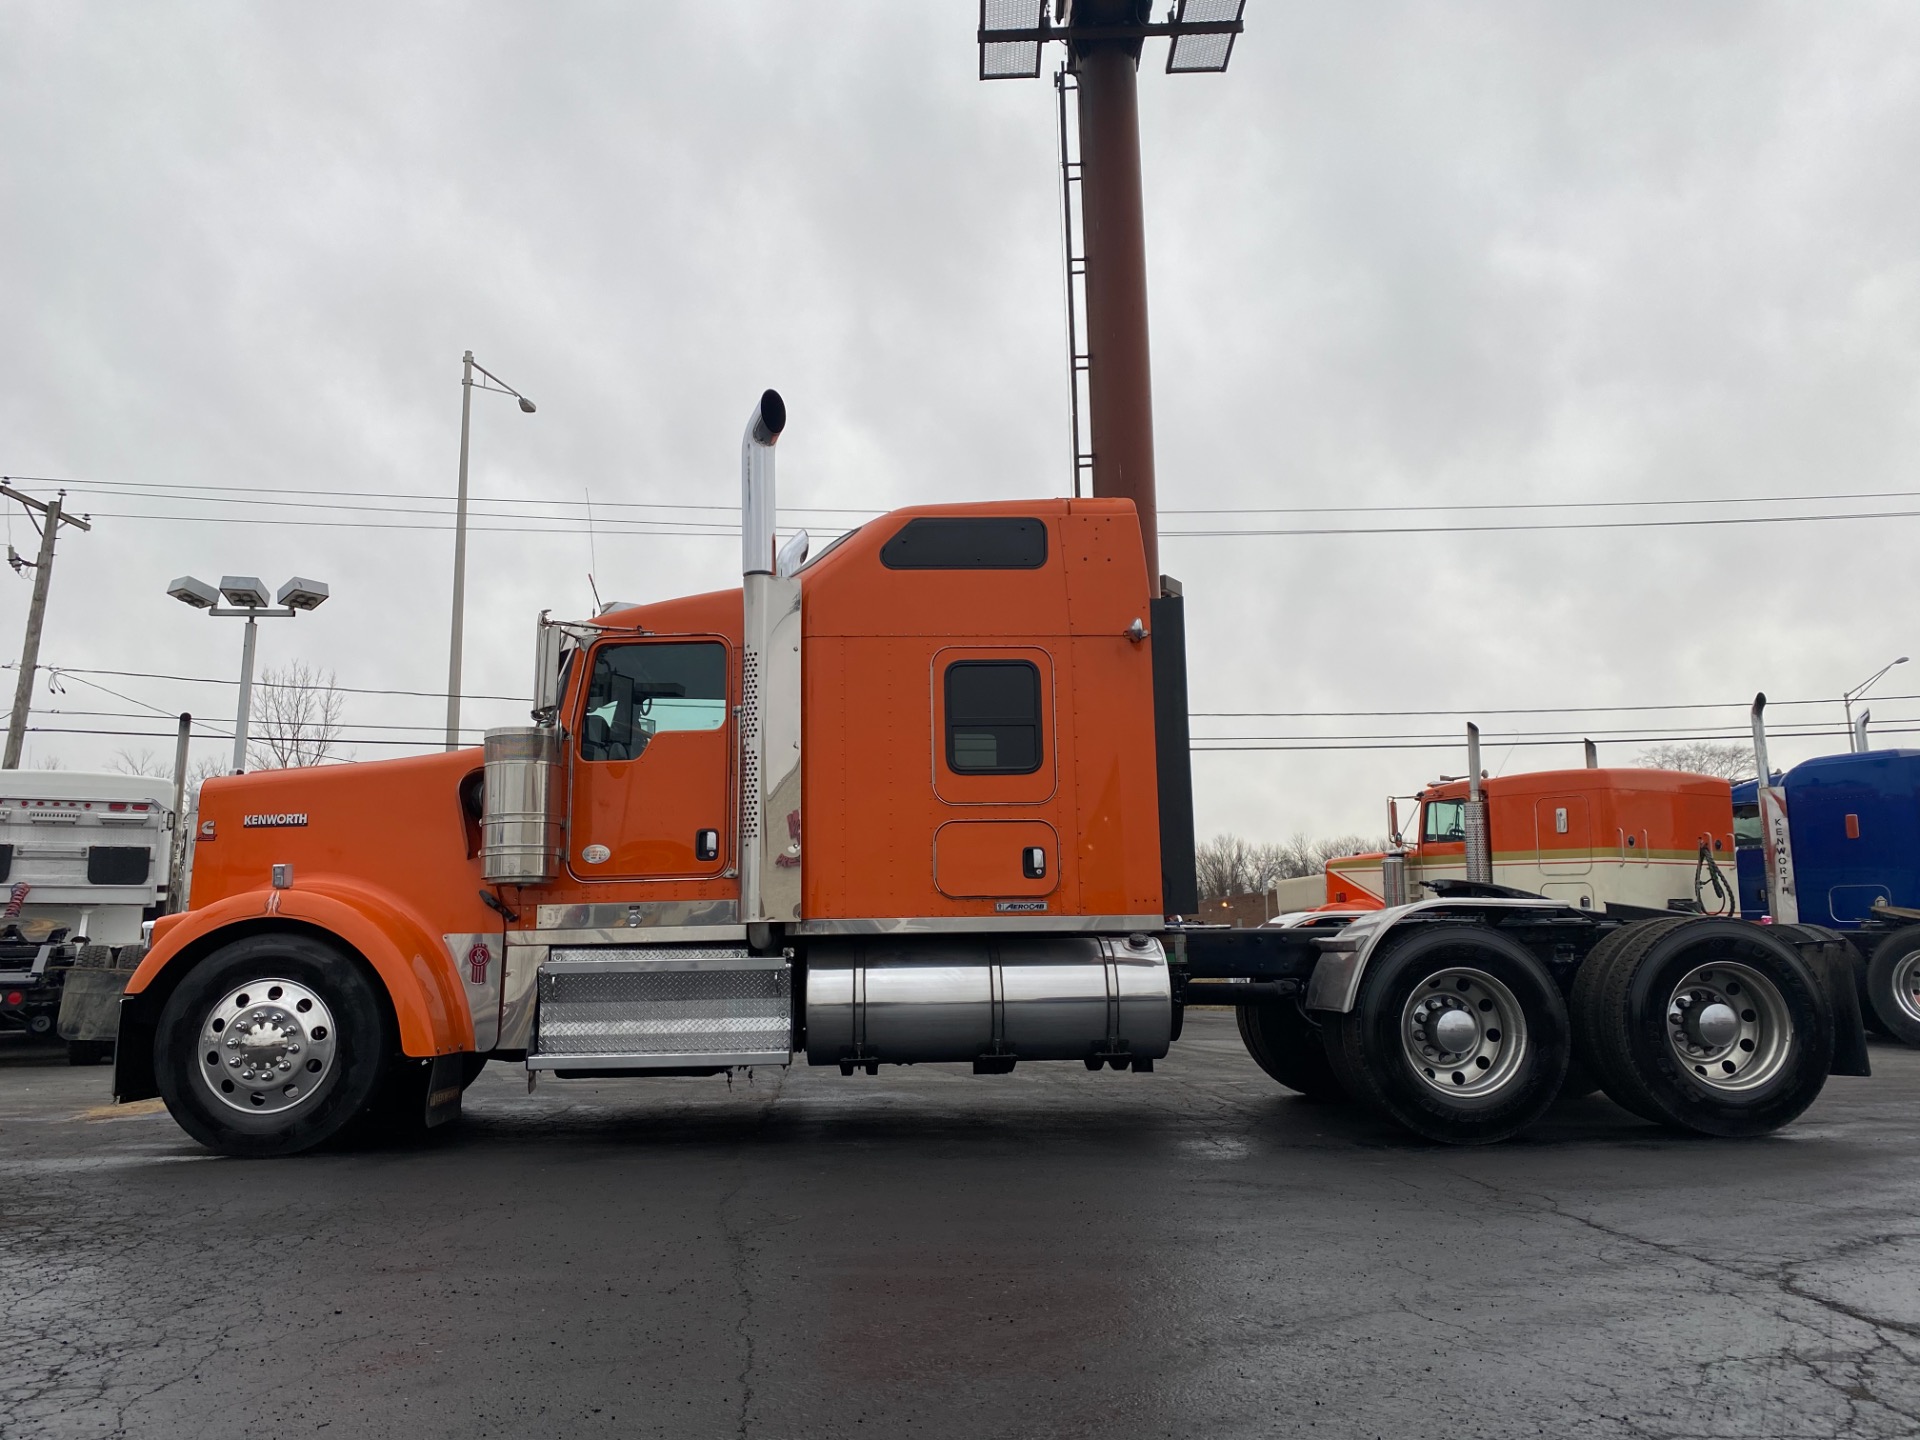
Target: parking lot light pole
point(467, 386)
point(1847, 698)
point(246, 599)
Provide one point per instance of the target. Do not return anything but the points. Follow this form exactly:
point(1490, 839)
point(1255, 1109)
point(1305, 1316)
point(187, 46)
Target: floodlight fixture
point(1012, 32)
point(301, 594)
point(197, 593)
point(244, 592)
point(247, 600)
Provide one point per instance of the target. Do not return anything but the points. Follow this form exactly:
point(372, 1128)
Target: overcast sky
point(1401, 254)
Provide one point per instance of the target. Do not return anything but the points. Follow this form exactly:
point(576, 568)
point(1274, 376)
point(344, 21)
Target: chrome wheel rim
point(1729, 1027)
point(1463, 1032)
point(1906, 985)
point(267, 1048)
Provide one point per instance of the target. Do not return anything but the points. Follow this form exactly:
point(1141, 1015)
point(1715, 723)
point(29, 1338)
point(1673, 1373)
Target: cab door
point(653, 761)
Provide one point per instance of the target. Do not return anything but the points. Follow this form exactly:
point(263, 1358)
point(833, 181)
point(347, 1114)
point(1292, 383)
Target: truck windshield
point(1444, 820)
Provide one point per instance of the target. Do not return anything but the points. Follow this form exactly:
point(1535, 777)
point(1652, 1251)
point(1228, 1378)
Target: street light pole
point(246, 696)
point(459, 559)
point(458, 637)
point(1855, 741)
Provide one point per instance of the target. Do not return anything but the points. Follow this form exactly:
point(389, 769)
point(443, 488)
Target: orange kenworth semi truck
point(924, 797)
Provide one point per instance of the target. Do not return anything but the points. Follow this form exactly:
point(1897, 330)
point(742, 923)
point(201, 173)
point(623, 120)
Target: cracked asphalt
point(926, 1253)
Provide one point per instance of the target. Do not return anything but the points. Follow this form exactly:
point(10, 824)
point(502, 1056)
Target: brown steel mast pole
point(1119, 378)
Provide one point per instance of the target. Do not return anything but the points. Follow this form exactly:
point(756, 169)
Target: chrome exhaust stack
point(1393, 864)
point(1479, 843)
point(769, 840)
point(1776, 836)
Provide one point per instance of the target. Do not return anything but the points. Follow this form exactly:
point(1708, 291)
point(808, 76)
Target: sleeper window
point(993, 717)
point(638, 691)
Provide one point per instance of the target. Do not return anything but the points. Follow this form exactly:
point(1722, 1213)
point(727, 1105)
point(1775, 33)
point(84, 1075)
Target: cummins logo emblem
point(273, 822)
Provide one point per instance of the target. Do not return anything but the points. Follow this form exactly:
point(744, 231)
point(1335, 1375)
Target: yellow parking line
point(123, 1112)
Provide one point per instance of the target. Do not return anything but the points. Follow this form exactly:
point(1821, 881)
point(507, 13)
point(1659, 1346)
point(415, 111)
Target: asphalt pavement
point(1193, 1252)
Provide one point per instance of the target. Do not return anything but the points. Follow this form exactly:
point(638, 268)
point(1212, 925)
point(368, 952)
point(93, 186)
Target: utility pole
point(52, 519)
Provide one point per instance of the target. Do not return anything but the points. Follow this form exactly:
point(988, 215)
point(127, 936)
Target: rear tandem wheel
point(1458, 1033)
point(1893, 985)
point(1704, 1024)
point(1289, 1046)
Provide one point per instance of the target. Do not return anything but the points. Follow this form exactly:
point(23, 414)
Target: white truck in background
point(85, 862)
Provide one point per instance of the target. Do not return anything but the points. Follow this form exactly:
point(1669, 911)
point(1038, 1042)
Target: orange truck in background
point(1594, 838)
point(922, 798)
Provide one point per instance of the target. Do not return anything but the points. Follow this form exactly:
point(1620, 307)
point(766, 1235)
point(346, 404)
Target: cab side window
point(993, 717)
point(638, 691)
point(1444, 820)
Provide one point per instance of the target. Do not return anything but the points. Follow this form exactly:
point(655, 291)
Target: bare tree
point(1231, 865)
point(1727, 760)
point(297, 714)
point(126, 762)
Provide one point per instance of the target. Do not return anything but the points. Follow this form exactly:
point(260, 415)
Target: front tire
point(1288, 1046)
point(272, 1045)
point(1893, 985)
point(1709, 1025)
point(1458, 1033)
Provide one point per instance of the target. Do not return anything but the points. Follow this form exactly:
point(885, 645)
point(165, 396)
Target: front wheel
point(271, 1045)
point(1458, 1033)
point(1893, 984)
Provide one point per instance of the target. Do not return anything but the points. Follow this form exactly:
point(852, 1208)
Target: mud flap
point(1834, 961)
point(90, 1004)
point(444, 1087)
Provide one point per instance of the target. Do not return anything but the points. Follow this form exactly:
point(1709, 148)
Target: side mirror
point(548, 639)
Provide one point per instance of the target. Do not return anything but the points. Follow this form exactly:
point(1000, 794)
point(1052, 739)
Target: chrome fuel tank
point(920, 1000)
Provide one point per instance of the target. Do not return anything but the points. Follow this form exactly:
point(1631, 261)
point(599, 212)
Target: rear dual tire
point(1709, 1025)
point(1289, 1046)
point(1458, 1033)
point(1892, 985)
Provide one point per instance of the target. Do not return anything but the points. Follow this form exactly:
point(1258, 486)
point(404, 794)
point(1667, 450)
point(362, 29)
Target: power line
point(713, 529)
point(1489, 710)
point(266, 684)
point(1393, 509)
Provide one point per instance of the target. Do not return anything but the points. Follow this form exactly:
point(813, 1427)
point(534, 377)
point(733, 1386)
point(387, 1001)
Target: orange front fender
point(411, 961)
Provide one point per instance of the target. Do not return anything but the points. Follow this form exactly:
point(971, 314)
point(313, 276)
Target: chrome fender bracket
point(1335, 984)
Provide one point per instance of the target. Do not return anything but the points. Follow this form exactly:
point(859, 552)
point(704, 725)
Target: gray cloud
point(1402, 253)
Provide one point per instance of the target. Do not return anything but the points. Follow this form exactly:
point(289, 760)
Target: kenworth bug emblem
point(478, 958)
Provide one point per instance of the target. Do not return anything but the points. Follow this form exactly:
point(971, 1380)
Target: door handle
point(706, 844)
point(1033, 862)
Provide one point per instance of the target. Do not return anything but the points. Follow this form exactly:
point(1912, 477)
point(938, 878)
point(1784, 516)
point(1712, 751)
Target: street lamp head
point(526, 405)
point(1901, 661)
point(299, 594)
point(197, 593)
point(244, 592)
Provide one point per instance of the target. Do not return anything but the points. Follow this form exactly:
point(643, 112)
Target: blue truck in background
point(1842, 833)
